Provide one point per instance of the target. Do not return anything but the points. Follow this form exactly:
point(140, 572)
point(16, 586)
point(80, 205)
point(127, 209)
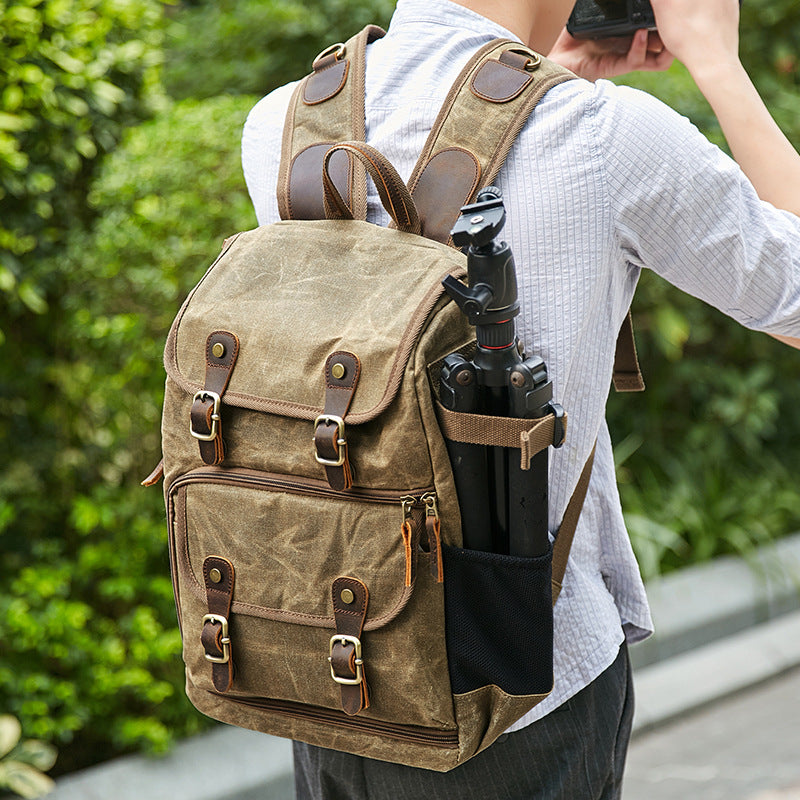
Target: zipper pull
point(433, 528)
point(407, 530)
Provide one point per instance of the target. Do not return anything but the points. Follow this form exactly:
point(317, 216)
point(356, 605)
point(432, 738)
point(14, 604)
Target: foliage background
point(119, 178)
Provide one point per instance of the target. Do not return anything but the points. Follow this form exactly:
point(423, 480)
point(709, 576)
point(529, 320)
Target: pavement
point(717, 704)
point(744, 748)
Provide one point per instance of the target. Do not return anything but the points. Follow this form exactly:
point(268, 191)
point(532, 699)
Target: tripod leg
point(459, 392)
point(530, 393)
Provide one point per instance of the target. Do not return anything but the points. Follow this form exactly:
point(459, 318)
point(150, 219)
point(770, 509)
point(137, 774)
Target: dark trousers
point(577, 752)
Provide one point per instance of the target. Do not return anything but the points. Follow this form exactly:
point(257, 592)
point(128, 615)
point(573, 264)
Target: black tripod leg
point(530, 393)
point(459, 392)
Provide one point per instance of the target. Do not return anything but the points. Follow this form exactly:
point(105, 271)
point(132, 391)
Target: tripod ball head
point(480, 223)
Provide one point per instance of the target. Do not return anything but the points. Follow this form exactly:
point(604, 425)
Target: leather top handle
point(392, 190)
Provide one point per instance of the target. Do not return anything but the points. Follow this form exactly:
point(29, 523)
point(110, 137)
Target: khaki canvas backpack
point(314, 530)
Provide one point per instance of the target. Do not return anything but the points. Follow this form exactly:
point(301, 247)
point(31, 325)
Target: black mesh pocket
point(499, 621)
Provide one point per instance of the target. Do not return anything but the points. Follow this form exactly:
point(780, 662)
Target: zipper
point(393, 730)
point(310, 487)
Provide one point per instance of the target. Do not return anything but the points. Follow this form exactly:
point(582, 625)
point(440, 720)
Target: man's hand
point(607, 58)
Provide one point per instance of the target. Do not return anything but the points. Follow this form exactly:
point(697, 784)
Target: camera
point(598, 19)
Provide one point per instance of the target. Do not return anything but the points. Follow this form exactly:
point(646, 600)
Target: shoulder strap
point(481, 117)
point(327, 107)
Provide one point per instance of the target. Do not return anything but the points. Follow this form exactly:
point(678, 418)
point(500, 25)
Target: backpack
point(314, 530)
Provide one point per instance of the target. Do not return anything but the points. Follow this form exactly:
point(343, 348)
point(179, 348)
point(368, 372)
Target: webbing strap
point(566, 531)
point(529, 436)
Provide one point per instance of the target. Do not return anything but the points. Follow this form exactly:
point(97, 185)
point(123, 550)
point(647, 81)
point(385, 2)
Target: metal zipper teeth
point(307, 486)
point(393, 730)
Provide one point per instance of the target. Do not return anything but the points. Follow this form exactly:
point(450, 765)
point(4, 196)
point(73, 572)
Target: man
point(602, 182)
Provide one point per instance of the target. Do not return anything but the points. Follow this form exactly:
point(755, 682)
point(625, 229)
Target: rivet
point(338, 371)
point(347, 596)
point(464, 378)
point(518, 379)
point(218, 350)
point(214, 575)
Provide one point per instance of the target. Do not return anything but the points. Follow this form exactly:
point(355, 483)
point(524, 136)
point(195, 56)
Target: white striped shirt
point(602, 182)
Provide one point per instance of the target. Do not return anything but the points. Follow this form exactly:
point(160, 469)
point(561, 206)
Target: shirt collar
point(443, 12)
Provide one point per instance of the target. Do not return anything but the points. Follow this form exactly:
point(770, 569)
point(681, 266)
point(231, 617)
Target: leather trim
point(497, 82)
point(446, 184)
point(305, 191)
point(325, 82)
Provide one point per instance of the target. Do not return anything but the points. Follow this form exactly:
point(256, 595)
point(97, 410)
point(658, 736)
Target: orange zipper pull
point(408, 502)
point(433, 528)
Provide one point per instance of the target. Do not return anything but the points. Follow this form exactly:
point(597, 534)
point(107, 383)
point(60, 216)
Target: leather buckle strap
point(222, 350)
point(350, 598)
point(218, 577)
point(342, 371)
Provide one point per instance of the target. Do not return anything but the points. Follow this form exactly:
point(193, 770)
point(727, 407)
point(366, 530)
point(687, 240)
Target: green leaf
point(15, 122)
point(10, 733)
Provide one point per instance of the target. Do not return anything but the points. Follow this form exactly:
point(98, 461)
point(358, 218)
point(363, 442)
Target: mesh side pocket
point(499, 621)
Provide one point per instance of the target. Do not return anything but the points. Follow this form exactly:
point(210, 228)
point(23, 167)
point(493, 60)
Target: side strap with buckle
point(342, 371)
point(222, 349)
point(218, 577)
point(350, 598)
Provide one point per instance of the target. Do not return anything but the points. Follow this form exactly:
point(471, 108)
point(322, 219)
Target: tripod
point(504, 507)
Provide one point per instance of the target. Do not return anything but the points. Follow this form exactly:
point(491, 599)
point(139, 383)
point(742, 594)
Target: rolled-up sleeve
point(685, 210)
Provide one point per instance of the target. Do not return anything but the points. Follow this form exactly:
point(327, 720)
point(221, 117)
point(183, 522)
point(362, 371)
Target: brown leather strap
point(530, 436)
point(222, 349)
point(327, 107)
point(350, 598)
point(342, 371)
point(218, 576)
point(627, 373)
point(566, 531)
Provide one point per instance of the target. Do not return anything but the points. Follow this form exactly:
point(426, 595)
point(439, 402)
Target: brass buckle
point(205, 394)
point(534, 59)
point(225, 640)
point(356, 642)
point(337, 49)
point(340, 440)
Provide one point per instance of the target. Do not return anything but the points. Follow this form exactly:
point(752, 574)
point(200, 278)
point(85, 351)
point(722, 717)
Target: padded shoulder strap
point(483, 113)
point(481, 117)
point(327, 107)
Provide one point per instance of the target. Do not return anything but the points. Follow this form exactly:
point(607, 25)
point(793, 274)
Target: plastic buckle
point(225, 640)
point(202, 395)
point(356, 642)
point(559, 429)
point(340, 440)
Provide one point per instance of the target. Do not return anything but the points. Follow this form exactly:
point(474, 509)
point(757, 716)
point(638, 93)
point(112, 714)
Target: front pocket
point(288, 540)
point(499, 621)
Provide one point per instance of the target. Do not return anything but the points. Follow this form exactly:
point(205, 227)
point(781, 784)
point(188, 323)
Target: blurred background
point(120, 124)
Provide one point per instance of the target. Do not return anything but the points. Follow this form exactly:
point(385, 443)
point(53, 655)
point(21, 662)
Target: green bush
point(73, 74)
point(252, 46)
point(91, 654)
point(707, 456)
